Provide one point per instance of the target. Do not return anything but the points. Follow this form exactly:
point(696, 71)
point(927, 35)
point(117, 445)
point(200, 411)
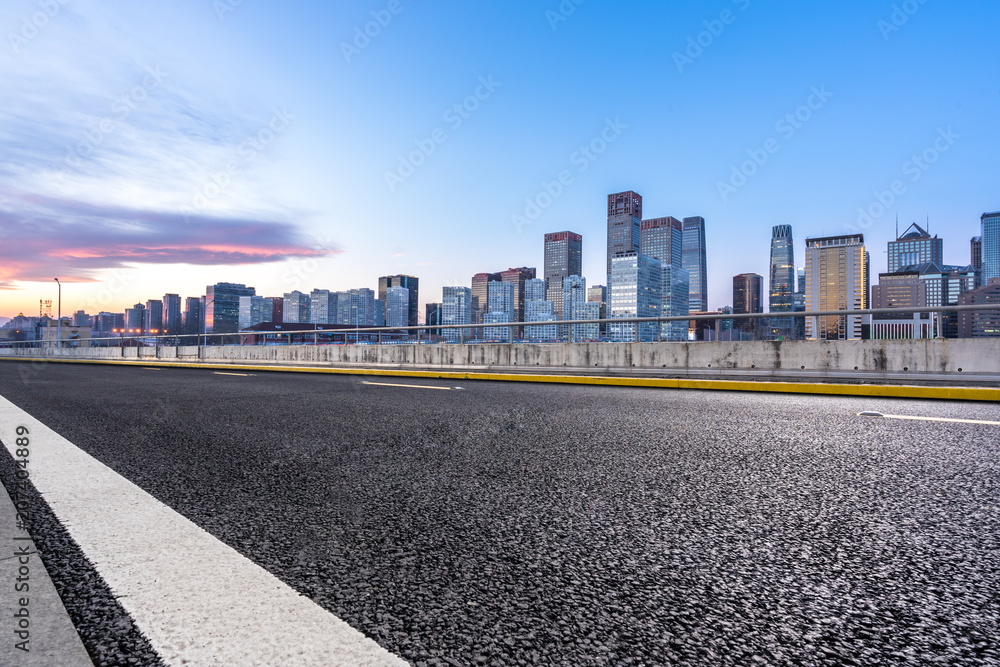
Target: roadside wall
point(974, 355)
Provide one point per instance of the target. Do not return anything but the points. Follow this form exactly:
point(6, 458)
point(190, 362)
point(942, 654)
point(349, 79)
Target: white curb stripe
point(197, 600)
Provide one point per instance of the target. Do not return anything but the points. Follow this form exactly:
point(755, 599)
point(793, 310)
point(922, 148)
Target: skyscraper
point(990, 246)
point(914, 247)
point(297, 308)
point(397, 307)
point(976, 257)
point(517, 277)
point(747, 298)
point(135, 318)
point(192, 315)
point(480, 294)
point(222, 306)
point(781, 298)
point(322, 307)
point(172, 314)
point(534, 290)
point(456, 308)
point(154, 316)
point(663, 238)
point(410, 283)
point(501, 305)
point(635, 292)
point(563, 257)
point(835, 280)
point(695, 262)
point(254, 310)
point(675, 301)
point(624, 223)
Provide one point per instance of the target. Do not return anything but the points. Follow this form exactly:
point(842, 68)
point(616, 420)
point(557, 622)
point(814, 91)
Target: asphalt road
point(517, 524)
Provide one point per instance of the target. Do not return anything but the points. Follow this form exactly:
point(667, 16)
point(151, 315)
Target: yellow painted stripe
point(866, 390)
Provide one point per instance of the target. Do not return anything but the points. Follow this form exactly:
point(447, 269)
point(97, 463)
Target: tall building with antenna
point(915, 246)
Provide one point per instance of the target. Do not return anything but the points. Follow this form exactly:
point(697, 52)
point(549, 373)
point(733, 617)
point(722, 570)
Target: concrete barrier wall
point(981, 355)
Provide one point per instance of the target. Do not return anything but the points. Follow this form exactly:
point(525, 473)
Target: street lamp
point(59, 315)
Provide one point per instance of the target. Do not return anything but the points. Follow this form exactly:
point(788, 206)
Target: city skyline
point(280, 149)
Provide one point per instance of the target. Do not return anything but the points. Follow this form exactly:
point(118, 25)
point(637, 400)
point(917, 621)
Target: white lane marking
point(242, 375)
point(930, 419)
point(412, 386)
point(197, 600)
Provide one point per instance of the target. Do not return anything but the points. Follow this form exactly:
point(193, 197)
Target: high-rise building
point(222, 306)
point(540, 310)
point(297, 309)
point(154, 316)
point(663, 238)
point(410, 283)
point(107, 323)
point(635, 292)
point(433, 317)
point(135, 318)
point(748, 298)
point(835, 280)
point(990, 234)
point(254, 310)
point(675, 301)
point(502, 299)
point(563, 257)
point(976, 258)
point(517, 277)
point(172, 314)
point(379, 313)
point(361, 304)
point(599, 294)
point(456, 306)
point(193, 315)
point(781, 298)
point(574, 296)
point(534, 290)
point(323, 306)
point(914, 247)
point(695, 262)
point(919, 286)
point(624, 223)
point(397, 307)
point(983, 324)
point(480, 295)
point(81, 319)
point(800, 287)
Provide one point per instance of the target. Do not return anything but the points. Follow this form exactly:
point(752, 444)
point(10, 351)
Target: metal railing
point(422, 334)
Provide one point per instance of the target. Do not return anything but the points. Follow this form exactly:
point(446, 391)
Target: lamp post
point(59, 316)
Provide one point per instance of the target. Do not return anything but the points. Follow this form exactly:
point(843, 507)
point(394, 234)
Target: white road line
point(242, 375)
point(412, 386)
point(197, 600)
point(930, 419)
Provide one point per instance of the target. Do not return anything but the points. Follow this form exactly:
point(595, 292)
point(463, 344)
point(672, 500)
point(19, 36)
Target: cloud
point(42, 237)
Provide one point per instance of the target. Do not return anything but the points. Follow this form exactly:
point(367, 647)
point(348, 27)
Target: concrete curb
point(991, 394)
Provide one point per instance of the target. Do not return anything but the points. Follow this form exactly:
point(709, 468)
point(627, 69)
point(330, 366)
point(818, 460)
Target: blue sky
point(152, 147)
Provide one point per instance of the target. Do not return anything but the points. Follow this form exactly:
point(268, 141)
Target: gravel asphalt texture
point(521, 524)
